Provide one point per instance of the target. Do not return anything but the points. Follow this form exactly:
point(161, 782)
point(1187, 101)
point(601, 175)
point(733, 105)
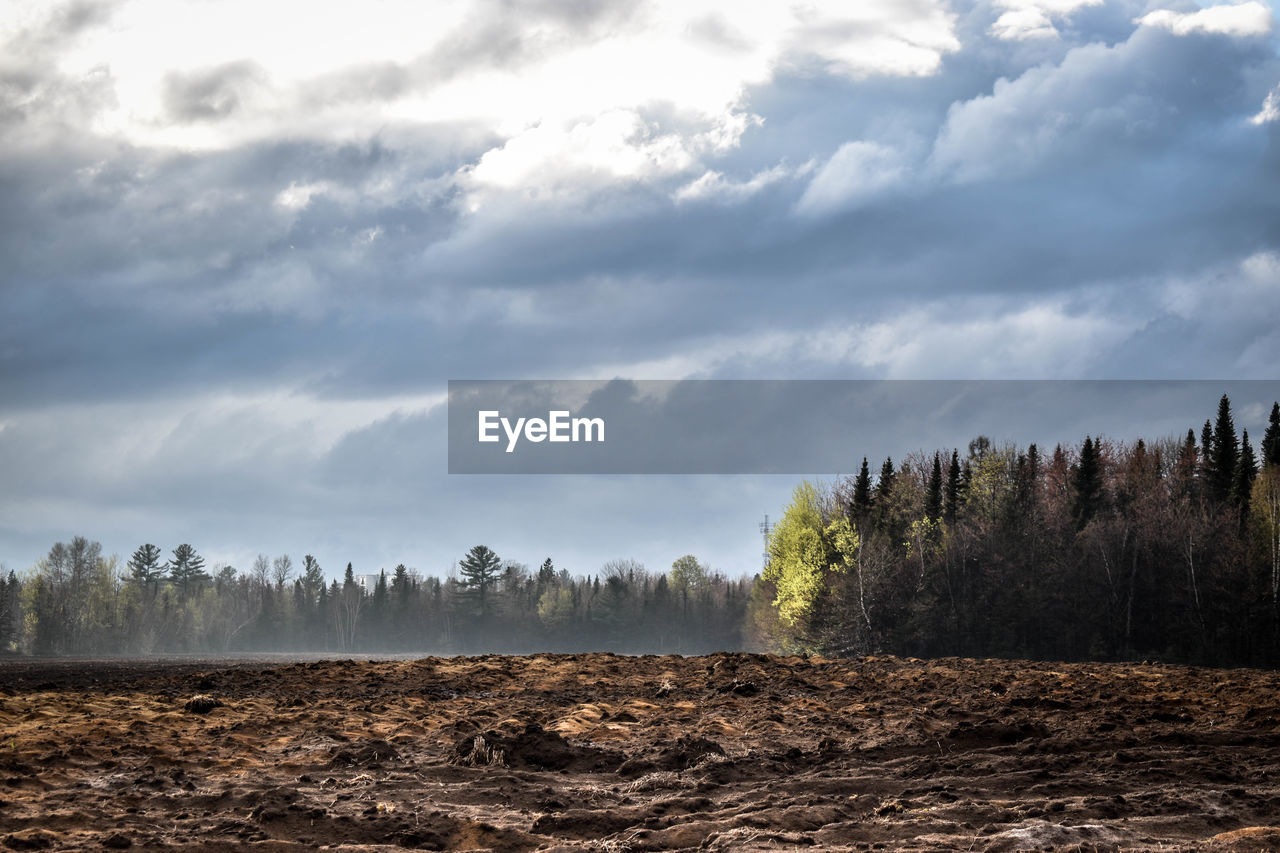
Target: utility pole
point(765, 528)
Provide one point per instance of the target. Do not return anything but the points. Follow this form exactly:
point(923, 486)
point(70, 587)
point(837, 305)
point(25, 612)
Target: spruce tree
point(1271, 438)
point(951, 505)
point(862, 493)
point(1243, 476)
point(933, 496)
point(1206, 457)
point(1226, 451)
point(1086, 484)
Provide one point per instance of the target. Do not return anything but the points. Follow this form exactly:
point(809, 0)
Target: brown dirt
point(599, 752)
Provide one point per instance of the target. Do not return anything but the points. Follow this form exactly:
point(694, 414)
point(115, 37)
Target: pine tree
point(1206, 458)
point(312, 578)
point(862, 493)
point(933, 496)
point(546, 574)
point(1086, 483)
point(884, 486)
point(1226, 451)
point(400, 582)
point(1245, 473)
point(1271, 438)
point(883, 494)
point(348, 578)
point(186, 569)
point(480, 569)
point(952, 503)
point(144, 565)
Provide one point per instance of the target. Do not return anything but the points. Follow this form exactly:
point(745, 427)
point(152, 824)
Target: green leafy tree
point(687, 575)
point(799, 556)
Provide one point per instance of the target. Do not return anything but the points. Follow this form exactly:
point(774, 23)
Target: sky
point(244, 245)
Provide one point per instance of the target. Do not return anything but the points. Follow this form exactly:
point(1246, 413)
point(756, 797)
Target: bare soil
point(601, 752)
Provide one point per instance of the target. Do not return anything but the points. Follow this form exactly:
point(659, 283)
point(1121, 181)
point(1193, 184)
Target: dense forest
point(1108, 550)
point(78, 602)
point(1167, 550)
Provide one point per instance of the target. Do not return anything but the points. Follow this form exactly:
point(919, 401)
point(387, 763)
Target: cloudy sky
point(244, 245)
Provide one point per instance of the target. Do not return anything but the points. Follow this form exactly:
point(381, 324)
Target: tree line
point(76, 601)
point(1109, 550)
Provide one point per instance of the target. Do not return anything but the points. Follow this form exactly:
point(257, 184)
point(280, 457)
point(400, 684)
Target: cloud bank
point(246, 246)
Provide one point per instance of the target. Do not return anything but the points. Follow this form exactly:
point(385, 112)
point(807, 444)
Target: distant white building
point(368, 583)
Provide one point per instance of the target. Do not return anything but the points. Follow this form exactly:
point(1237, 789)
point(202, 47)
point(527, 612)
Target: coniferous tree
point(952, 502)
point(1271, 438)
point(884, 485)
point(480, 570)
point(145, 567)
point(186, 569)
point(1086, 484)
point(1206, 458)
point(882, 500)
point(933, 495)
point(312, 576)
point(862, 493)
point(546, 574)
point(1245, 472)
point(1226, 451)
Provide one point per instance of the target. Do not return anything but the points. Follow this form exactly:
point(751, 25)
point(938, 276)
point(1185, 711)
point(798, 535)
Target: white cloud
point(1244, 19)
point(714, 186)
point(859, 171)
point(297, 196)
point(569, 101)
point(1033, 19)
point(616, 145)
point(974, 338)
point(1270, 108)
